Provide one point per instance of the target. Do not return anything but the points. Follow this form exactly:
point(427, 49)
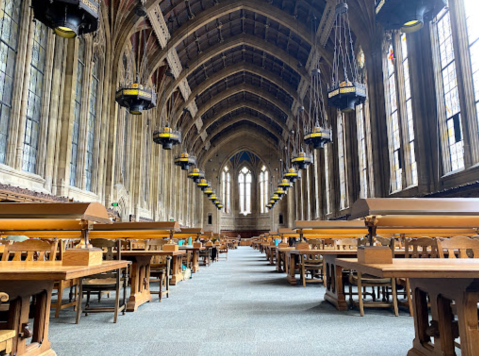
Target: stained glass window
point(363, 168)
point(9, 24)
point(226, 185)
point(34, 101)
point(264, 191)
point(327, 189)
point(77, 112)
point(342, 163)
point(472, 8)
point(450, 91)
point(92, 115)
point(409, 113)
point(394, 137)
point(245, 180)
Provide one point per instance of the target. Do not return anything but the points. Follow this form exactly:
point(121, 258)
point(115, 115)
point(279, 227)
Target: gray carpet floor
point(236, 307)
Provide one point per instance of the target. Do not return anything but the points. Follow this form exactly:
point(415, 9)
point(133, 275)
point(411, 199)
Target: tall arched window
point(450, 113)
point(343, 187)
point(245, 179)
point(264, 191)
point(226, 187)
point(34, 103)
point(9, 23)
point(92, 116)
point(77, 112)
point(472, 7)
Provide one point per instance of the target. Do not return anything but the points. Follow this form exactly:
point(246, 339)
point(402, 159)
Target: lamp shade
point(67, 18)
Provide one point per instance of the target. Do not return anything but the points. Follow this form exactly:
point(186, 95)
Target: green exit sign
point(172, 219)
point(114, 204)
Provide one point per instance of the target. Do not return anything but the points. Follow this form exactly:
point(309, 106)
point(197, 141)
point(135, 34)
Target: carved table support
point(20, 293)
point(176, 273)
point(140, 282)
point(333, 279)
point(443, 329)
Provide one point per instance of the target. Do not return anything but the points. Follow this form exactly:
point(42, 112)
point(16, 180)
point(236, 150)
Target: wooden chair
point(422, 247)
point(6, 336)
point(316, 244)
point(465, 247)
point(346, 244)
point(160, 267)
point(31, 250)
point(328, 244)
point(60, 286)
point(104, 282)
point(365, 280)
point(223, 250)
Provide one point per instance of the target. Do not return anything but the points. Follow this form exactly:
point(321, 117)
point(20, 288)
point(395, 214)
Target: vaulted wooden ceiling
point(246, 62)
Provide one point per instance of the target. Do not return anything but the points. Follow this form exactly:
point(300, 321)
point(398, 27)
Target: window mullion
point(464, 82)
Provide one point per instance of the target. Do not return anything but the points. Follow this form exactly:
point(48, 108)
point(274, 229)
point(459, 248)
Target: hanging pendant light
point(209, 191)
point(280, 192)
point(285, 185)
point(302, 161)
point(219, 206)
point(275, 197)
point(345, 91)
point(212, 197)
point(196, 175)
point(407, 15)
point(318, 132)
point(138, 96)
point(68, 18)
point(185, 161)
point(203, 184)
point(167, 137)
point(292, 175)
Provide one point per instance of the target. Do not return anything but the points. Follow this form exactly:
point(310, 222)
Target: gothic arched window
point(226, 187)
point(263, 185)
point(245, 179)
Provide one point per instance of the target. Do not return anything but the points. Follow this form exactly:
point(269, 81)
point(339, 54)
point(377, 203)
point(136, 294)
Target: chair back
point(463, 245)
point(112, 248)
point(138, 244)
point(316, 244)
point(328, 244)
point(421, 247)
point(35, 250)
point(346, 244)
point(156, 245)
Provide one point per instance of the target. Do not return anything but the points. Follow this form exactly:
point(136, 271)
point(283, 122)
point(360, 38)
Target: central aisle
point(237, 307)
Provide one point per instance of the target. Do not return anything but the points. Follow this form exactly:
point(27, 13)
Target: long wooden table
point(195, 257)
point(333, 274)
point(23, 280)
point(442, 282)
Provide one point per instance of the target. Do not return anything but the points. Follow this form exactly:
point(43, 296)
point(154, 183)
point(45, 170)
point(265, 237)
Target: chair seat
point(100, 282)
point(370, 279)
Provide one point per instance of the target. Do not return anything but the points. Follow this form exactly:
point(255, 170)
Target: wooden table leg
point(140, 283)
point(278, 261)
point(291, 263)
point(271, 256)
point(333, 275)
point(20, 293)
point(196, 261)
point(463, 294)
point(177, 276)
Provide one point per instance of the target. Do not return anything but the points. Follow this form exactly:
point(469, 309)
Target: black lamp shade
point(68, 18)
point(347, 96)
point(407, 15)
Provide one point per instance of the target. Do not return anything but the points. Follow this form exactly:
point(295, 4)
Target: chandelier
point(167, 137)
point(67, 18)
point(318, 132)
point(196, 174)
point(135, 96)
point(345, 91)
point(407, 15)
point(185, 161)
point(285, 184)
point(203, 184)
point(209, 191)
